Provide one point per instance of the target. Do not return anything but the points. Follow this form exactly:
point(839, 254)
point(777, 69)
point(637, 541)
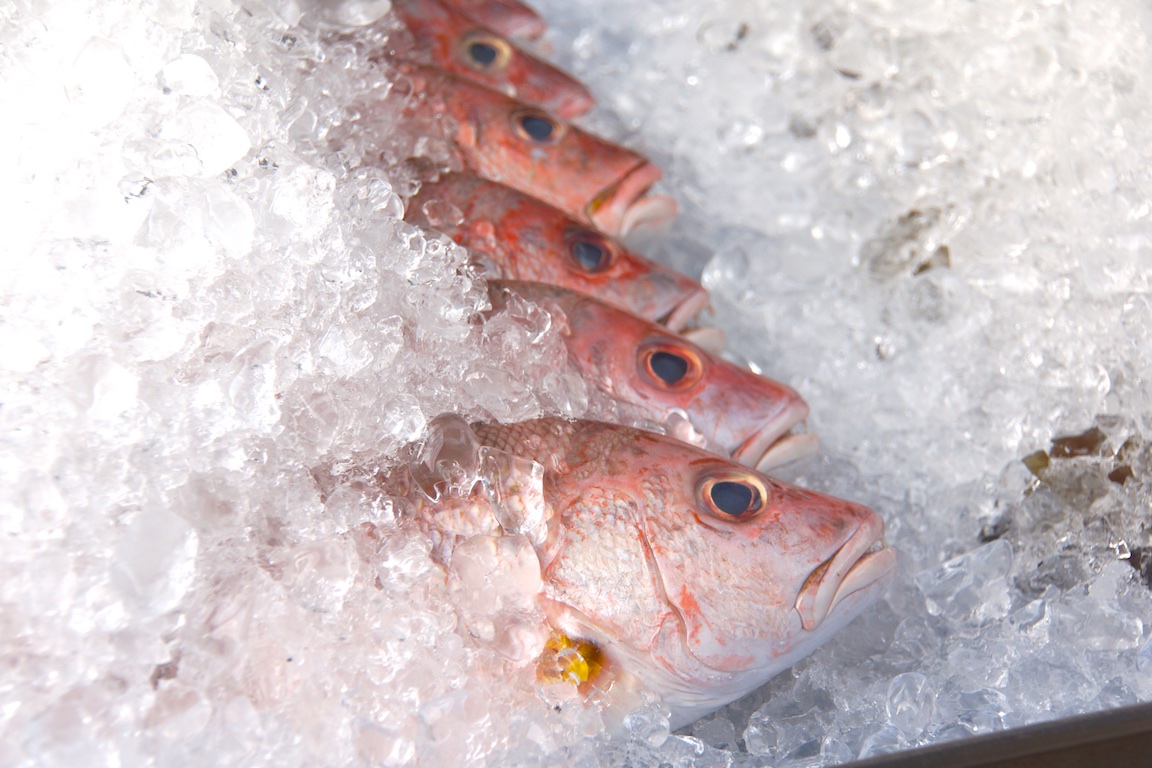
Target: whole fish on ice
point(654, 566)
point(517, 236)
point(657, 376)
point(441, 36)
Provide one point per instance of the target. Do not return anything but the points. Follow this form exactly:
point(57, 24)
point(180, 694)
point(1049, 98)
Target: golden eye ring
point(732, 494)
point(484, 52)
point(670, 365)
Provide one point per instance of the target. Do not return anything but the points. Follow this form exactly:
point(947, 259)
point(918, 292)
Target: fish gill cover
point(931, 219)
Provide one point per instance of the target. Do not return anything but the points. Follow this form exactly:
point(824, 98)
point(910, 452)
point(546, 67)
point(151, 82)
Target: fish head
point(523, 146)
point(452, 41)
point(523, 238)
point(665, 377)
point(698, 577)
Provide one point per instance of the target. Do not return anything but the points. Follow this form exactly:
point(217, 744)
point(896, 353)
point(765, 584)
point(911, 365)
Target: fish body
point(448, 39)
point(691, 576)
point(661, 377)
point(503, 140)
point(517, 236)
point(509, 18)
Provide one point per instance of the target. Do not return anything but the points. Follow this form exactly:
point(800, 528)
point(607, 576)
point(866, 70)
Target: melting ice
point(931, 219)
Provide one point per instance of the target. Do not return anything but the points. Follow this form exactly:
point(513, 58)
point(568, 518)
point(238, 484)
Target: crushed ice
point(932, 219)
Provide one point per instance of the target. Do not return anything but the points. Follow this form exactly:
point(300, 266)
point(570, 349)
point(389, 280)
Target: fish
point(599, 183)
point(654, 566)
point(509, 18)
point(656, 376)
point(443, 37)
point(514, 235)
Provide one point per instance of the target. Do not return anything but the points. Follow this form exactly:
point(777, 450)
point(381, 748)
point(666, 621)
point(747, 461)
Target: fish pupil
point(483, 53)
point(732, 498)
point(538, 128)
point(590, 255)
point(669, 367)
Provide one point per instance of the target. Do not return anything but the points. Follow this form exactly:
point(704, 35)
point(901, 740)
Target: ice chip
point(212, 137)
point(970, 588)
point(318, 575)
point(100, 83)
point(155, 562)
point(883, 741)
point(189, 75)
point(911, 703)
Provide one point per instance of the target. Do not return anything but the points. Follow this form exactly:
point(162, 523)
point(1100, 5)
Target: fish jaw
point(622, 209)
point(688, 309)
point(773, 448)
point(859, 563)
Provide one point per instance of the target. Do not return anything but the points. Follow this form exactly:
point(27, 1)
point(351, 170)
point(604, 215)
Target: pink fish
point(503, 140)
point(517, 236)
point(654, 566)
point(656, 376)
point(447, 39)
point(507, 17)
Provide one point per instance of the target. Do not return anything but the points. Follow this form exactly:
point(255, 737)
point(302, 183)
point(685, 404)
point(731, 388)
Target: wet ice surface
point(932, 220)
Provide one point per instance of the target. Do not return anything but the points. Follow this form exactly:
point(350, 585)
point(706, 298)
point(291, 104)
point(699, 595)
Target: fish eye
point(485, 53)
point(732, 495)
point(537, 127)
point(670, 365)
point(591, 251)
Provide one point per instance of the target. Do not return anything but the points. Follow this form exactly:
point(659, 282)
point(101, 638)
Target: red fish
point(517, 236)
point(657, 376)
point(654, 565)
point(595, 181)
point(507, 17)
point(448, 39)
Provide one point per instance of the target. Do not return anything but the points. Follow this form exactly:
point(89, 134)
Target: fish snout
point(859, 564)
point(763, 430)
point(622, 208)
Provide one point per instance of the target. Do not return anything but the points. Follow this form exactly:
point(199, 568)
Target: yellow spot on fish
point(565, 659)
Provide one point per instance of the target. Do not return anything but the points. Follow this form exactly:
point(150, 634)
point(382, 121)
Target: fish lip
point(862, 561)
point(757, 450)
point(609, 210)
point(687, 310)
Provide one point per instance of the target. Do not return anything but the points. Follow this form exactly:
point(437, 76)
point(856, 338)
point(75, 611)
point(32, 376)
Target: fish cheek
point(601, 568)
point(727, 594)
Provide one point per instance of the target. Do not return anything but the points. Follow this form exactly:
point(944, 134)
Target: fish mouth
point(623, 207)
point(687, 310)
point(863, 560)
point(774, 447)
